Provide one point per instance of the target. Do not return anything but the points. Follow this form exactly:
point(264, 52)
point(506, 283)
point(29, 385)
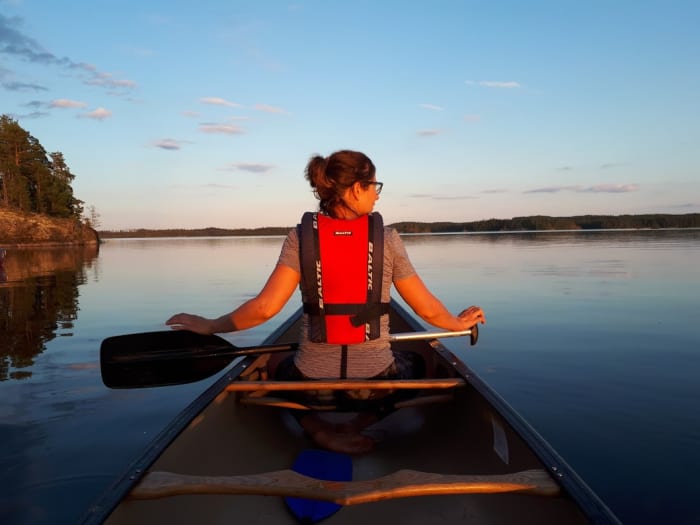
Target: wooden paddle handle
point(400, 484)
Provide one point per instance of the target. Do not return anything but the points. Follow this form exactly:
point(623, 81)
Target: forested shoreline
point(530, 223)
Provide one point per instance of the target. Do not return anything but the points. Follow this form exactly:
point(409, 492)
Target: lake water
point(593, 337)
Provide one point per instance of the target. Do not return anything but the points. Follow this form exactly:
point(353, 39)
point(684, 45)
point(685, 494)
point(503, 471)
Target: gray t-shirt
point(322, 360)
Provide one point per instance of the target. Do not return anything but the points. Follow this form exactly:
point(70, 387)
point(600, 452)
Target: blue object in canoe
point(319, 464)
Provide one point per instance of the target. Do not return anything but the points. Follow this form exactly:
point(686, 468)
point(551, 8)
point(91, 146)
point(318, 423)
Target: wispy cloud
point(612, 188)
point(270, 109)
point(251, 167)
point(600, 188)
point(432, 107)
point(14, 43)
point(169, 144)
point(224, 129)
point(435, 197)
point(217, 101)
point(500, 84)
point(97, 114)
point(454, 197)
point(107, 80)
point(428, 132)
point(472, 118)
point(67, 103)
point(495, 191)
point(22, 86)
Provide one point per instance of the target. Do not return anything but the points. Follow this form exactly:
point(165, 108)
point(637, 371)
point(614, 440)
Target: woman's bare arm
point(277, 290)
point(430, 308)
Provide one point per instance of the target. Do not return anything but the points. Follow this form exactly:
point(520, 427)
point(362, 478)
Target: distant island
point(530, 223)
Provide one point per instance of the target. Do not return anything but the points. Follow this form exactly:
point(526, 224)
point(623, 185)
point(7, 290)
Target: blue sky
point(195, 114)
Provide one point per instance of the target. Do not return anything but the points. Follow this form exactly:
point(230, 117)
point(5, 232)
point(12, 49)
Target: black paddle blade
point(474, 337)
point(162, 358)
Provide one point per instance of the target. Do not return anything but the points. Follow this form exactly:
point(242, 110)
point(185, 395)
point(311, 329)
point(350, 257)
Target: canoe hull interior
point(465, 435)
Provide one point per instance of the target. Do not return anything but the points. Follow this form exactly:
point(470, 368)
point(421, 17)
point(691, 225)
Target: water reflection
point(38, 301)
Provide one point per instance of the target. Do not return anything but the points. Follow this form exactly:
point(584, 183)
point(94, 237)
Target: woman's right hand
point(193, 323)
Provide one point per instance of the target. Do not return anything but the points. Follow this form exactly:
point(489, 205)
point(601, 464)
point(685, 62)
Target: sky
point(185, 114)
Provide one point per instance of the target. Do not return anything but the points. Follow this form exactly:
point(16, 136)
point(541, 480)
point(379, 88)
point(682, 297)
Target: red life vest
point(342, 263)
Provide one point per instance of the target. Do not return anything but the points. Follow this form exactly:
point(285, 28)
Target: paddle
point(173, 357)
point(169, 357)
point(324, 465)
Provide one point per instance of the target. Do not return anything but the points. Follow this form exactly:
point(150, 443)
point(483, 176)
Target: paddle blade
point(162, 358)
point(474, 337)
point(319, 464)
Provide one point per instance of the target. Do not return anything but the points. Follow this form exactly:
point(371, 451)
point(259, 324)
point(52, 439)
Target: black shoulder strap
point(375, 273)
point(310, 261)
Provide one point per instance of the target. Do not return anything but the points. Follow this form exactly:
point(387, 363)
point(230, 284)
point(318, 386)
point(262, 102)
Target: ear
point(356, 190)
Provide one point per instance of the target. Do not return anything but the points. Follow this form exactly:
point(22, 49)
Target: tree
point(92, 217)
point(14, 142)
point(31, 180)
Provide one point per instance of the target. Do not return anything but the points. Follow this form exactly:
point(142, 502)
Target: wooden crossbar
point(344, 384)
point(285, 403)
point(400, 484)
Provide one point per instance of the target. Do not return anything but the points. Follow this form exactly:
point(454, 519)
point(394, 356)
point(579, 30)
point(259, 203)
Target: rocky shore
point(31, 229)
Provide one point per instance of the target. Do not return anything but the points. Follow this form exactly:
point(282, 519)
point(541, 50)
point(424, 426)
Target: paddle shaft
point(234, 351)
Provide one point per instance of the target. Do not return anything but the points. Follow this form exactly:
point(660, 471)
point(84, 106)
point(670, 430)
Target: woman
point(351, 340)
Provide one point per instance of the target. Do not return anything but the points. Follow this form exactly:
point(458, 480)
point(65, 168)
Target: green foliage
point(31, 180)
point(544, 223)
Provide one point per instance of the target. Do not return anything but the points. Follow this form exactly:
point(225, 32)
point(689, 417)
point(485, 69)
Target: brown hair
point(331, 176)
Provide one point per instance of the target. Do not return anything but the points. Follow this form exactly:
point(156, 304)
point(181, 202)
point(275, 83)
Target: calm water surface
point(592, 336)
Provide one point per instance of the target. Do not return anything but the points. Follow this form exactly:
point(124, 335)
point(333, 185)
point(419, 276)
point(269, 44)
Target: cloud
point(509, 84)
point(169, 144)
point(441, 197)
point(611, 188)
point(248, 166)
point(191, 114)
point(553, 189)
point(16, 44)
point(13, 42)
point(225, 129)
point(66, 103)
point(428, 132)
point(219, 186)
point(432, 107)
point(600, 188)
point(454, 197)
point(472, 118)
point(98, 114)
point(270, 109)
point(22, 86)
point(495, 190)
point(216, 101)
point(106, 80)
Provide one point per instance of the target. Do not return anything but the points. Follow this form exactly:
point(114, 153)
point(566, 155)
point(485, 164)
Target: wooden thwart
point(279, 402)
point(345, 384)
point(400, 484)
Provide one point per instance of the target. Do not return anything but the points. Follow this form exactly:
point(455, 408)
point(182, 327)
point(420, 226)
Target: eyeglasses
point(377, 186)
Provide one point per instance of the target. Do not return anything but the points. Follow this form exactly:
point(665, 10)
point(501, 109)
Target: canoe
point(451, 451)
